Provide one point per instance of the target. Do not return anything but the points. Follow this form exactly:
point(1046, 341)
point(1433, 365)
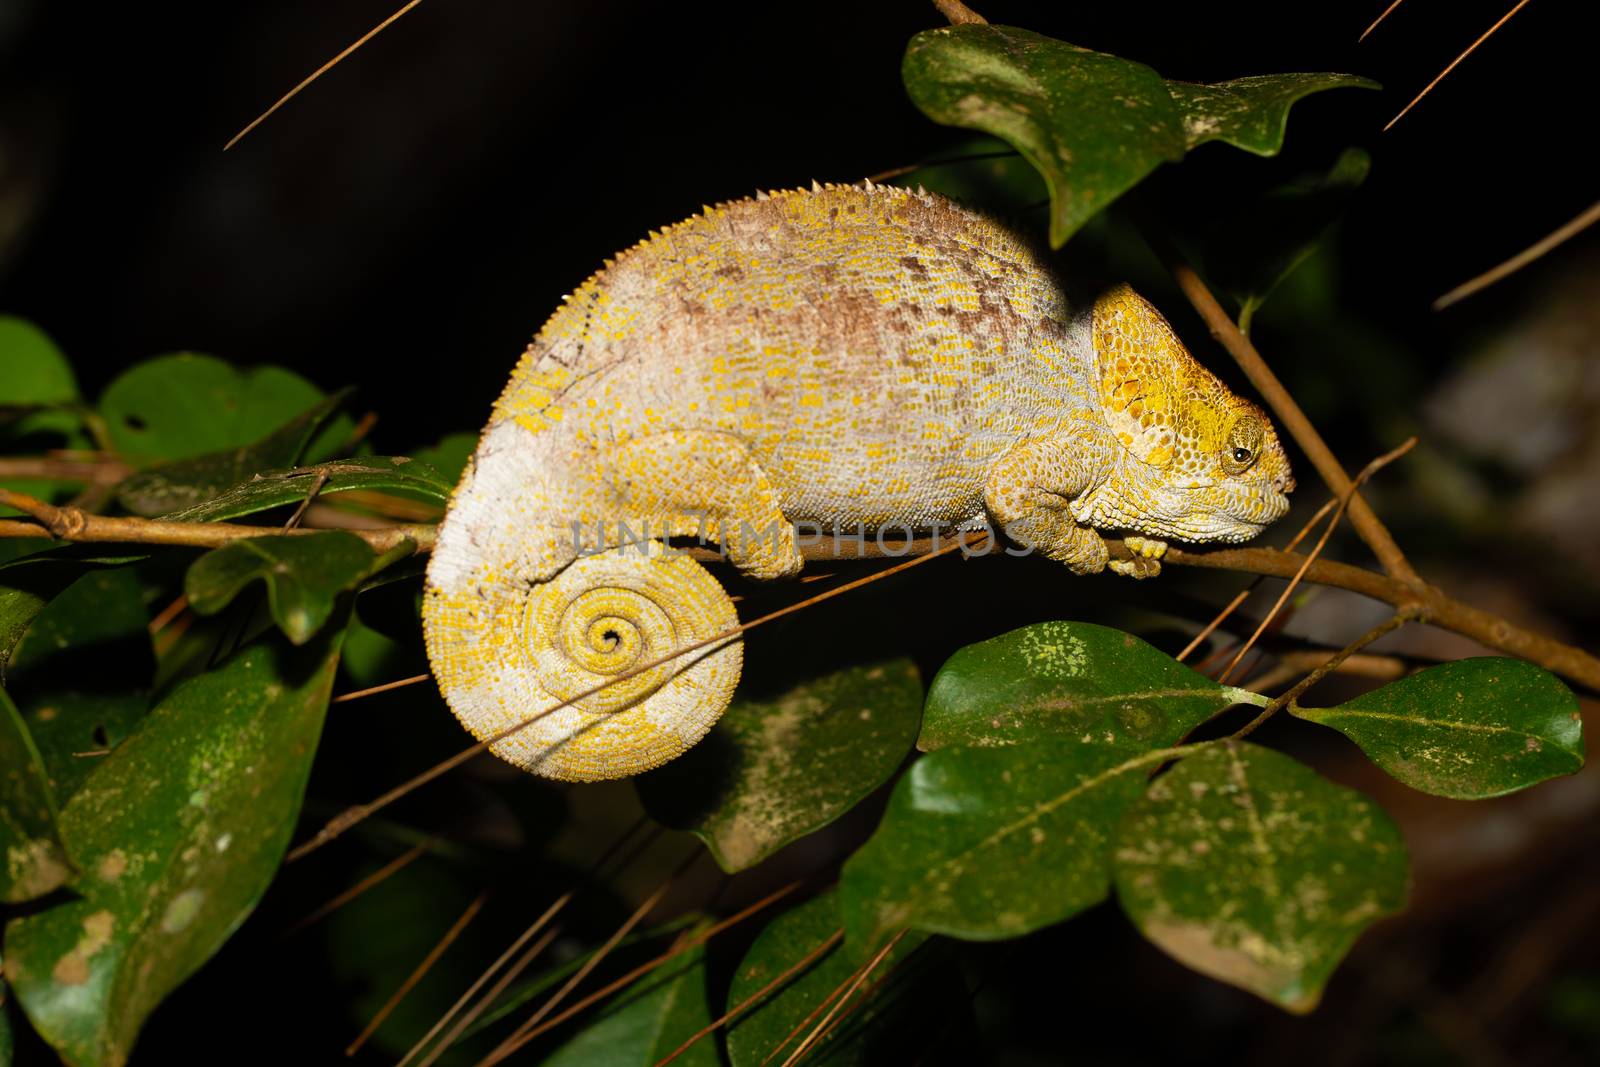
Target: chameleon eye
point(1243, 445)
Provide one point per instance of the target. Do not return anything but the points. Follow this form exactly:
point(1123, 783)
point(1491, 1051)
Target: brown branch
point(79, 526)
point(1362, 517)
point(959, 14)
point(73, 524)
point(1435, 606)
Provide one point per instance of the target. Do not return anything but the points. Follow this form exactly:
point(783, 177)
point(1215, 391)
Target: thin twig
point(860, 976)
point(416, 976)
point(591, 963)
point(377, 877)
point(1377, 21)
point(1222, 327)
point(499, 987)
point(538, 924)
point(1244, 594)
point(1406, 614)
point(1453, 63)
point(76, 525)
point(384, 688)
point(1521, 259)
point(167, 614)
point(789, 972)
point(319, 72)
point(300, 511)
point(667, 957)
point(866, 996)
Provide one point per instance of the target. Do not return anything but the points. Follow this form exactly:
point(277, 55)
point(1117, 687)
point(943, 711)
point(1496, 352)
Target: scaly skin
point(848, 357)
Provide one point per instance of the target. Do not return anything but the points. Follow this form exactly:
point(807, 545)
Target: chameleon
point(840, 357)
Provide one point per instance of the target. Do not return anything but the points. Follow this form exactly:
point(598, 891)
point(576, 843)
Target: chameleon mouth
point(1256, 514)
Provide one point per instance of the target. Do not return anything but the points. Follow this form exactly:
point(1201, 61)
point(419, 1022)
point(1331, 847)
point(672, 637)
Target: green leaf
point(449, 455)
point(885, 1029)
point(82, 663)
point(1470, 729)
point(304, 576)
point(30, 582)
point(271, 489)
point(1093, 124)
point(1069, 680)
point(648, 1023)
point(82, 670)
point(986, 843)
point(178, 833)
point(26, 586)
point(186, 483)
point(178, 406)
point(33, 861)
point(37, 374)
point(1250, 113)
point(772, 771)
point(1250, 868)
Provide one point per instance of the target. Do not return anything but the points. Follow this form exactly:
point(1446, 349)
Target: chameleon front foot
point(1146, 561)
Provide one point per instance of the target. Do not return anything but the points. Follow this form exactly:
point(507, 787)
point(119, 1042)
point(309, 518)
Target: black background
point(408, 223)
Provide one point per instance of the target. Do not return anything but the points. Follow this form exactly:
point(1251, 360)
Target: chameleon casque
point(848, 357)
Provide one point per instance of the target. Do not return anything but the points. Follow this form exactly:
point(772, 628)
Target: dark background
point(408, 222)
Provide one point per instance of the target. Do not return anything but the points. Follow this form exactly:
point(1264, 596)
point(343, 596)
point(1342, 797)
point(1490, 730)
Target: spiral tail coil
point(505, 652)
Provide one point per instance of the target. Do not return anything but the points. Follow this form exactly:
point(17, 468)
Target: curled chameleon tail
point(522, 628)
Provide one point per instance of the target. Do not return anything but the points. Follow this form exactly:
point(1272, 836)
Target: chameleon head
point(1197, 462)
